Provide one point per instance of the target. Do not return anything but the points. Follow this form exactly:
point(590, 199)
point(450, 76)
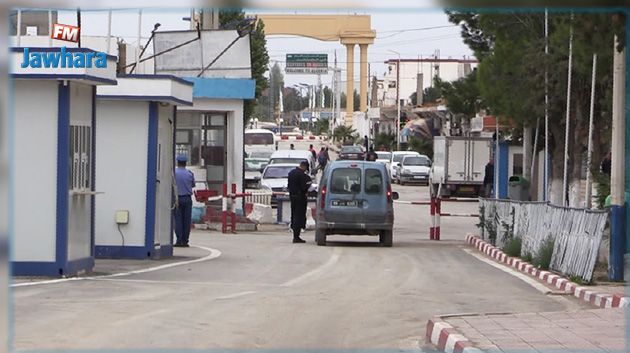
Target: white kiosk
point(52, 161)
point(135, 153)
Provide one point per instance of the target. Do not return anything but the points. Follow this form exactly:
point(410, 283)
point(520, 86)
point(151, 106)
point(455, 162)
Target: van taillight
point(389, 193)
point(322, 200)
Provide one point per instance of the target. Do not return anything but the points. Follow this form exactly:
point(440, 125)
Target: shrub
point(513, 247)
point(527, 257)
point(543, 257)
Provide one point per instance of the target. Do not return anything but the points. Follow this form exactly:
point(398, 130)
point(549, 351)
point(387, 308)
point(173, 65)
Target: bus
point(260, 140)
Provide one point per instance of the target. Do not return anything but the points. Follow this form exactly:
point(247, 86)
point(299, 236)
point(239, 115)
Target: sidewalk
point(597, 330)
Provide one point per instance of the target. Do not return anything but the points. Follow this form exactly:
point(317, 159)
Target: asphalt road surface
point(263, 292)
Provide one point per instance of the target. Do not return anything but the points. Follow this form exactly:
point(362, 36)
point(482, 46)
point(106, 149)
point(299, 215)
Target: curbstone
point(447, 339)
point(602, 300)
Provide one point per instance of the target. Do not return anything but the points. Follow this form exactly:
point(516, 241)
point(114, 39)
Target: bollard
point(432, 229)
point(233, 208)
point(438, 211)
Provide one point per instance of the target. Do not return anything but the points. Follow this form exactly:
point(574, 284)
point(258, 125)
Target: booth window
point(80, 158)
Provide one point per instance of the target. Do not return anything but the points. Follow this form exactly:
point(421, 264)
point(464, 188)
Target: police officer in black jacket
point(299, 182)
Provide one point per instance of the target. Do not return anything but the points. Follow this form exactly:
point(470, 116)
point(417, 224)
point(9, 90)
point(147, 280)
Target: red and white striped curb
point(447, 339)
point(562, 283)
point(300, 137)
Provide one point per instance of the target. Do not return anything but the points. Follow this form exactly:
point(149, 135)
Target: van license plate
point(345, 203)
point(467, 189)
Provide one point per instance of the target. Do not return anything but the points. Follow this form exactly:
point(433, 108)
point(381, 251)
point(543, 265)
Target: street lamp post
point(281, 121)
point(397, 100)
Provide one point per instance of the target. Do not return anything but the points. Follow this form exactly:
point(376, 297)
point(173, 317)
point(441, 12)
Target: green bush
point(527, 257)
point(513, 247)
point(543, 257)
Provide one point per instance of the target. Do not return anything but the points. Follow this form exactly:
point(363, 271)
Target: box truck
point(459, 164)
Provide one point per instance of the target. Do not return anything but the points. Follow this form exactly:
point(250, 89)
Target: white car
point(293, 157)
point(276, 178)
point(383, 157)
point(413, 169)
point(397, 157)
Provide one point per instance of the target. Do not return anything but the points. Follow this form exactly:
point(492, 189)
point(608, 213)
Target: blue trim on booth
point(82, 77)
point(223, 88)
point(151, 177)
point(170, 99)
point(123, 252)
point(34, 268)
point(173, 196)
point(63, 149)
point(158, 76)
point(56, 49)
point(93, 176)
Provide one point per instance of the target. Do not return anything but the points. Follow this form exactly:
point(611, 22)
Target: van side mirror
point(395, 195)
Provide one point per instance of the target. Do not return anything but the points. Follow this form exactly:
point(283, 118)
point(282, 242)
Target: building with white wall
point(210, 131)
point(416, 71)
point(135, 141)
point(53, 164)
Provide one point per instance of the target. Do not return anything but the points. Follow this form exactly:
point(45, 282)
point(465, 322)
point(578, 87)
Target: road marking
point(331, 261)
point(235, 295)
point(532, 282)
point(214, 253)
point(151, 281)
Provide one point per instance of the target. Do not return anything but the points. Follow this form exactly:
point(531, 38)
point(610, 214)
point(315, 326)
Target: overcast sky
point(401, 31)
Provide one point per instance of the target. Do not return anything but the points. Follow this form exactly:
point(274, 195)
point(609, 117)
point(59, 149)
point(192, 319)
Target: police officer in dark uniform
point(299, 182)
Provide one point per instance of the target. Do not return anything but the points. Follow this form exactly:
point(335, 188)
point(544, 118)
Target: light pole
point(397, 100)
point(281, 121)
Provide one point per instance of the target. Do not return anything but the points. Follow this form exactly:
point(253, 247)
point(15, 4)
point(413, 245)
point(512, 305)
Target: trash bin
point(518, 188)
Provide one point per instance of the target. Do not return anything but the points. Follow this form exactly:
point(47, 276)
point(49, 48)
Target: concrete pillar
point(349, 84)
point(363, 79)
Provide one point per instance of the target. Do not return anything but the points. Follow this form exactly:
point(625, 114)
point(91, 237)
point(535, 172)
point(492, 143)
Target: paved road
point(264, 292)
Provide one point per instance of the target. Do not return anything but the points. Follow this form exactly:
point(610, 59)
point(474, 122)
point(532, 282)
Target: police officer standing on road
point(299, 182)
point(185, 180)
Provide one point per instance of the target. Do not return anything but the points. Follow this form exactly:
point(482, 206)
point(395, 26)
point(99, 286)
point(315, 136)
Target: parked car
point(384, 157)
point(351, 152)
point(355, 198)
point(275, 177)
point(413, 169)
point(253, 170)
point(397, 157)
point(293, 157)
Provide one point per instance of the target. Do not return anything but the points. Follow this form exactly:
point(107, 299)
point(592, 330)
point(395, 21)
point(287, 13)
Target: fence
point(576, 233)
point(259, 196)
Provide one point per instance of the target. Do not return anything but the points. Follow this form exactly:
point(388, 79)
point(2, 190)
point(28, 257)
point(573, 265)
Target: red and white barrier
point(300, 137)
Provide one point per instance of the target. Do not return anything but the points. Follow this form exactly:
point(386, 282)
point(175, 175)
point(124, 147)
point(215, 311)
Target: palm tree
point(344, 134)
point(386, 140)
point(422, 146)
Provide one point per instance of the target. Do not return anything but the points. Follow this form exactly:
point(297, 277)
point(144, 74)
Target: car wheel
point(386, 238)
point(320, 237)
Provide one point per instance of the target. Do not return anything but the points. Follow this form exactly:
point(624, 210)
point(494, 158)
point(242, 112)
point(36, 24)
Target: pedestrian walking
point(322, 160)
point(371, 156)
point(313, 152)
point(299, 183)
point(366, 142)
point(292, 147)
point(606, 164)
point(185, 181)
point(488, 179)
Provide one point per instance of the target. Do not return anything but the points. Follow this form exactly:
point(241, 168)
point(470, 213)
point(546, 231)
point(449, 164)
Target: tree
point(421, 145)
point(462, 96)
point(328, 97)
point(510, 79)
point(321, 126)
point(344, 134)
point(430, 95)
point(382, 139)
point(259, 56)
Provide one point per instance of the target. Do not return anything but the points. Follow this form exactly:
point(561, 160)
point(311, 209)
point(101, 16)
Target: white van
point(260, 140)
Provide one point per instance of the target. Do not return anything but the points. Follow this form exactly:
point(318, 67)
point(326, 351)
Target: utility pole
point(618, 178)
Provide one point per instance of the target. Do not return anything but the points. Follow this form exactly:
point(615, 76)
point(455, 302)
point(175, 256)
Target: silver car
point(355, 198)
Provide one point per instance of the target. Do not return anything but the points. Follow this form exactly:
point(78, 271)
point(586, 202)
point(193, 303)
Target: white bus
point(260, 140)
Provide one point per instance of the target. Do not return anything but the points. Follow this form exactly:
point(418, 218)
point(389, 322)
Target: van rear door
point(375, 207)
point(345, 190)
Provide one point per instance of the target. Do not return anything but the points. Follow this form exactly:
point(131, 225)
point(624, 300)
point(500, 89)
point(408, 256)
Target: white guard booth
point(52, 163)
point(135, 153)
